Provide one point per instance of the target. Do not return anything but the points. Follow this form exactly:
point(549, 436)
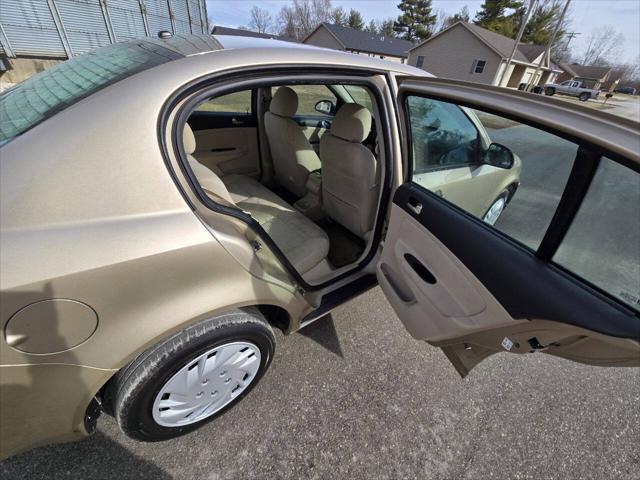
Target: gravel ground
point(354, 396)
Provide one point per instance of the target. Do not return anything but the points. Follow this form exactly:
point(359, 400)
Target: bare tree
point(302, 17)
point(261, 20)
point(602, 44)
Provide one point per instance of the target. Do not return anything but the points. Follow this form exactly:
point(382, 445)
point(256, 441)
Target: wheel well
point(278, 317)
point(511, 189)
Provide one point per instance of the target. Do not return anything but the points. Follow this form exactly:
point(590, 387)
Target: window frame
point(420, 61)
point(585, 165)
point(476, 64)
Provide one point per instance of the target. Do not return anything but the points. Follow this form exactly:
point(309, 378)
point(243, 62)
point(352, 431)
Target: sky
point(623, 15)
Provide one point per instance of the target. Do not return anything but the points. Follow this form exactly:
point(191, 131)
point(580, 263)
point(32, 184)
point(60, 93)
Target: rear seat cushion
point(303, 242)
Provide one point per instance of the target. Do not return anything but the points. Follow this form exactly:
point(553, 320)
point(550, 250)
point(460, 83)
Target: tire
point(491, 217)
point(137, 387)
point(549, 91)
point(584, 96)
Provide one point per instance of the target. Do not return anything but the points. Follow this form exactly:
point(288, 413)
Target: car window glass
point(603, 242)
point(360, 95)
point(309, 95)
point(443, 135)
point(42, 96)
point(236, 102)
point(512, 176)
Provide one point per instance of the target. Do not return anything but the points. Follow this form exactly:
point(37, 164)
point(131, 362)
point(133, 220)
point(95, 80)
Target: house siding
point(451, 55)
point(323, 38)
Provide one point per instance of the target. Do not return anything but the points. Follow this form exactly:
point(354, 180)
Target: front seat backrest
point(349, 170)
point(293, 157)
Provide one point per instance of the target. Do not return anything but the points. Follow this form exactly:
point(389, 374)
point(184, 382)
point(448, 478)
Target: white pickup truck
point(574, 88)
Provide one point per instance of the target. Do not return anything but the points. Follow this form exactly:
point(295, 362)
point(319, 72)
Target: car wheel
point(549, 91)
point(193, 376)
point(496, 209)
point(584, 97)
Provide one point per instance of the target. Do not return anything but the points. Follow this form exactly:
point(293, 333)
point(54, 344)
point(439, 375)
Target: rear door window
point(42, 96)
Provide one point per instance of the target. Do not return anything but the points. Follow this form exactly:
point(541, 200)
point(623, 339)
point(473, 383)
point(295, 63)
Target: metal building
point(63, 28)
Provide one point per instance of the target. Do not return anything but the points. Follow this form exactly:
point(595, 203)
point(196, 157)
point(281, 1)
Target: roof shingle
point(369, 42)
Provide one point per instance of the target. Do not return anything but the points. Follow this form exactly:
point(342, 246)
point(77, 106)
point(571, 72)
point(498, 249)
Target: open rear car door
point(559, 272)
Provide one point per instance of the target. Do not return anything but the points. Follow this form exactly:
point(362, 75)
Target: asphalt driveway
point(354, 396)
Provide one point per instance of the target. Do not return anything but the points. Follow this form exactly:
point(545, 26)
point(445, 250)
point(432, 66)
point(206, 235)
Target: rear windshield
point(42, 96)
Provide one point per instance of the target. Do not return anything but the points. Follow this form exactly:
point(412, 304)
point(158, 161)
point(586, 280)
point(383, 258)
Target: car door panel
point(226, 141)
point(231, 150)
point(484, 300)
point(471, 290)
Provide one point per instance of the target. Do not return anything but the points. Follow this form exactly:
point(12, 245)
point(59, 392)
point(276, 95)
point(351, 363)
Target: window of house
point(420, 61)
point(479, 66)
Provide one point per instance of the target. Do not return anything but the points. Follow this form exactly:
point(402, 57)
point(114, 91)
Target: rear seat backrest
point(209, 181)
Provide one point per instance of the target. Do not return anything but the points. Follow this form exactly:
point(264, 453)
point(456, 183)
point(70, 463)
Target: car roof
point(190, 45)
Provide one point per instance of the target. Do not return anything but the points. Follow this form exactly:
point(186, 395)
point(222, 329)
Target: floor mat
point(344, 246)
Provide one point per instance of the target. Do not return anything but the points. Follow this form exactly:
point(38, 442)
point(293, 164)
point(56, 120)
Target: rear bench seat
point(303, 242)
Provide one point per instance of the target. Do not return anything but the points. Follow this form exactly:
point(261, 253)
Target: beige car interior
point(350, 188)
point(331, 198)
point(291, 153)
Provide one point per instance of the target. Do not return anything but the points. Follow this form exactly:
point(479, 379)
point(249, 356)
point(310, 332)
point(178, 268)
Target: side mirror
point(499, 156)
point(325, 107)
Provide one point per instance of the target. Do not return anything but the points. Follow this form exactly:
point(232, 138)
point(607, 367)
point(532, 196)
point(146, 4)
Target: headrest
point(351, 123)
point(284, 103)
point(188, 140)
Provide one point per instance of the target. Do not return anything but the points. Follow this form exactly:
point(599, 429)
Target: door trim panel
point(526, 286)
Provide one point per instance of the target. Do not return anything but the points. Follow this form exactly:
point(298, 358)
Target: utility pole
point(525, 19)
point(547, 52)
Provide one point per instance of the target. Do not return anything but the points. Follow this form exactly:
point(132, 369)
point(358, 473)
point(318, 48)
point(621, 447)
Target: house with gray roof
point(591, 75)
point(347, 39)
point(242, 32)
point(465, 51)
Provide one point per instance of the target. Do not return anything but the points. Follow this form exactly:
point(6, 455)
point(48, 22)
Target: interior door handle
point(235, 121)
point(423, 272)
point(414, 205)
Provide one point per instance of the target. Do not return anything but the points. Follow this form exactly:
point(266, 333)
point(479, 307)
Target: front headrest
point(284, 103)
point(352, 123)
point(188, 140)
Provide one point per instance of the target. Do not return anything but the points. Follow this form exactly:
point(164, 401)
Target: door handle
point(423, 272)
point(235, 121)
point(414, 205)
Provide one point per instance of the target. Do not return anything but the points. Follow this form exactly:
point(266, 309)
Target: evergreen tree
point(355, 20)
point(493, 16)
point(417, 21)
point(372, 27)
point(386, 28)
point(339, 16)
point(542, 22)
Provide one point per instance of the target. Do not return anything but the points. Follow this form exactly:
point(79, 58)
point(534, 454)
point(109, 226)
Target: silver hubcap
point(494, 212)
point(206, 384)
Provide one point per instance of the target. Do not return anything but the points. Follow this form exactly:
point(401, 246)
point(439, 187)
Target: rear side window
point(45, 94)
point(236, 102)
point(603, 242)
